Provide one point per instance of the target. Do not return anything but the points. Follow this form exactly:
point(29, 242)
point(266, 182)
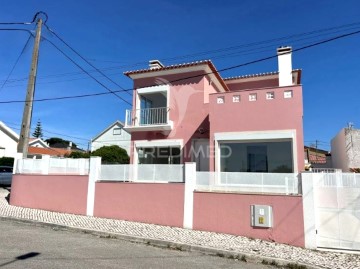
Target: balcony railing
point(147, 117)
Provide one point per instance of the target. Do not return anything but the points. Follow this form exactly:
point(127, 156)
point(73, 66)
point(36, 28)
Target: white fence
point(337, 210)
point(143, 172)
point(325, 170)
point(281, 183)
point(53, 166)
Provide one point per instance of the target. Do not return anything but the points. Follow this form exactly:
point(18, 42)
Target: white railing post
point(94, 175)
point(17, 167)
point(45, 163)
point(190, 183)
point(309, 209)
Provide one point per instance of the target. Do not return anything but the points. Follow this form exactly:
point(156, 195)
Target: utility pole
point(23, 144)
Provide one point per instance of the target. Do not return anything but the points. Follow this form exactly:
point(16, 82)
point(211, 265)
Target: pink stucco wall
point(189, 110)
point(66, 194)
point(230, 213)
point(259, 115)
point(142, 202)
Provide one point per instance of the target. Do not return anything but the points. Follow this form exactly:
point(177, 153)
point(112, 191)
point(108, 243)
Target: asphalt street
point(25, 245)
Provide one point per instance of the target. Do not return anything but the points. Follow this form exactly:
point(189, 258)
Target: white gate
point(337, 210)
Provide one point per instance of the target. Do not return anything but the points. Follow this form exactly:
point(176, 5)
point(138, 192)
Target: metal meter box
point(261, 216)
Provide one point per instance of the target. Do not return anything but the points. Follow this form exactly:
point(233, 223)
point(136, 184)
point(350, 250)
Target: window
point(288, 94)
point(266, 157)
point(117, 131)
point(270, 95)
point(236, 98)
point(252, 97)
point(220, 100)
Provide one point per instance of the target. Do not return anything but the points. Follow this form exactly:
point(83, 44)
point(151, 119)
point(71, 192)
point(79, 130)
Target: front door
point(200, 154)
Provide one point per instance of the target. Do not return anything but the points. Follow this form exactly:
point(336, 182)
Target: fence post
point(17, 168)
point(45, 163)
point(94, 174)
point(309, 210)
point(190, 183)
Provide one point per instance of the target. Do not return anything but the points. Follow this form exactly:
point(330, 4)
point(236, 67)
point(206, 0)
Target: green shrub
point(112, 155)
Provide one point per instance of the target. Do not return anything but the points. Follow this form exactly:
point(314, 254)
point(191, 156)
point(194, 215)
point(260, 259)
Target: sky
point(117, 36)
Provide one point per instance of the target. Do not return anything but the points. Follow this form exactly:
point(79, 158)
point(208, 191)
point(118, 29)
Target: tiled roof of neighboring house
point(48, 151)
point(317, 158)
point(179, 66)
point(298, 71)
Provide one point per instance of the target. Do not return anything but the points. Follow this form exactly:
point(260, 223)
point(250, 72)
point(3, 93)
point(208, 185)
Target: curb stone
point(164, 244)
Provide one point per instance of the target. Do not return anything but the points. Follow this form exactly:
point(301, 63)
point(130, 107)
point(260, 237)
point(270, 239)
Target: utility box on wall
point(261, 216)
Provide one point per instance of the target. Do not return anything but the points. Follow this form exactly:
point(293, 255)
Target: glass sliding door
point(271, 156)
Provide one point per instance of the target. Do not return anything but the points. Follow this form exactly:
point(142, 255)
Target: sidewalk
point(178, 238)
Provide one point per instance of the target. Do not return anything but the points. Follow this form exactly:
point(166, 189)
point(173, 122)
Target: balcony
point(148, 119)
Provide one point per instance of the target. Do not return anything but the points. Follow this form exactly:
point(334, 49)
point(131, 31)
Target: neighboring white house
point(8, 141)
point(38, 143)
point(345, 149)
point(112, 135)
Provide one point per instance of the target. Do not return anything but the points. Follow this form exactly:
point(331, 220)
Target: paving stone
point(240, 244)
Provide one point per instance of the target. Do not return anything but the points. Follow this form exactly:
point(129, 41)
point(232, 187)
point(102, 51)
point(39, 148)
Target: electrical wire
point(16, 62)
point(86, 72)
point(195, 76)
point(89, 63)
point(220, 50)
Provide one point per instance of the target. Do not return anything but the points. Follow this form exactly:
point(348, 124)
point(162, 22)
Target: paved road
point(32, 246)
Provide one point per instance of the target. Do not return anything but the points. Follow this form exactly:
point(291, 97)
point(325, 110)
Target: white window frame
point(236, 98)
point(270, 95)
point(147, 90)
point(252, 97)
point(117, 129)
point(220, 100)
point(288, 94)
point(255, 136)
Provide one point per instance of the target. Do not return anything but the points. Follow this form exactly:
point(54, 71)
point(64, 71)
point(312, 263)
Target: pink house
point(188, 112)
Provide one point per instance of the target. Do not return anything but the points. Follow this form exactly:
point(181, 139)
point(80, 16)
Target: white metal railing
point(147, 116)
point(152, 173)
point(282, 183)
point(56, 166)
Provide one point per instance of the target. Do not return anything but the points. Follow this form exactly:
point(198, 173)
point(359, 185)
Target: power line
point(225, 49)
point(86, 72)
point(201, 75)
point(78, 54)
point(16, 62)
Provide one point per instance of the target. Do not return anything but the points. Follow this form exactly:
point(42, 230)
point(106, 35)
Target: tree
point(38, 130)
point(112, 155)
point(78, 155)
point(56, 142)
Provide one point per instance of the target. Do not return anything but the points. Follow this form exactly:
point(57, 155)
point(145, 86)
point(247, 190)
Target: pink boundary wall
point(230, 213)
point(143, 202)
point(67, 194)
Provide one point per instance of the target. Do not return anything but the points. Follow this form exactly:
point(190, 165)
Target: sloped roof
point(181, 66)
point(297, 71)
point(48, 151)
point(9, 131)
point(108, 128)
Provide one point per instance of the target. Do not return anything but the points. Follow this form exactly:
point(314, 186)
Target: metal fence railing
point(143, 173)
point(61, 166)
point(147, 116)
point(281, 183)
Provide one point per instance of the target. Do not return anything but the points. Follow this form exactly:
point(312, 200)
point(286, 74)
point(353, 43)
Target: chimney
point(154, 64)
point(70, 146)
point(285, 66)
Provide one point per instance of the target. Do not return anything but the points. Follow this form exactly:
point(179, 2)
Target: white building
point(345, 149)
point(8, 141)
point(112, 135)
